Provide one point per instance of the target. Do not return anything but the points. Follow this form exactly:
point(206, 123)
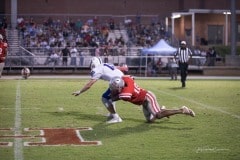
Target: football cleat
point(115, 120)
point(187, 111)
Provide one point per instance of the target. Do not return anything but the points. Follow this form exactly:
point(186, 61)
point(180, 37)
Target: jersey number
point(109, 66)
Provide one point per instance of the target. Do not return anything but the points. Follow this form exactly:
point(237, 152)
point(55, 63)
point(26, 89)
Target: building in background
point(211, 18)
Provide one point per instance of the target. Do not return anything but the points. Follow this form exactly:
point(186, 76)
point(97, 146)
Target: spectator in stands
point(111, 24)
point(151, 68)
point(138, 18)
point(81, 58)
point(159, 65)
point(73, 53)
point(4, 23)
point(105, 53)
point(197, 52)
point(85, 28)
point(54, 58)
point(65, 54)
point(72, 24)
point(2, 31)
point(213, 55)
point(203, 57)
point(208, 54)
point(3, 26)
point(95, 21)
point(21, 25)
point(172, 68)
point(97, 51)
point(79, 25)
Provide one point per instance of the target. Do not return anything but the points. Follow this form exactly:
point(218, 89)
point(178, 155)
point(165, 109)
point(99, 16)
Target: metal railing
point(84, 61)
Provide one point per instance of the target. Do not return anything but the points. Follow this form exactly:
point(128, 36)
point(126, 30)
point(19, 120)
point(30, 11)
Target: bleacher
point(32, 45)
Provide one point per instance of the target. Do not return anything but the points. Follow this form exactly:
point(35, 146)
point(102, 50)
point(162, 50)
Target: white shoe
point(115, 120)
point(191, 112)
point(187, 111)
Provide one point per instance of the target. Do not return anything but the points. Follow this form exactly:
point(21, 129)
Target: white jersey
point(105, 71)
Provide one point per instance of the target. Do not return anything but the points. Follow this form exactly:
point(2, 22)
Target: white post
point(193, 29)
point(226, 29)
point(166, 23)
point(172, 28)
point(14, 13)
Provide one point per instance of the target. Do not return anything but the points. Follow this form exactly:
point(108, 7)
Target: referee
point(183, 55)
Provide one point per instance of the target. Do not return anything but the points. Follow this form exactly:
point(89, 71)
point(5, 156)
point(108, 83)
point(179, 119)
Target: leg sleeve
point(106, 99)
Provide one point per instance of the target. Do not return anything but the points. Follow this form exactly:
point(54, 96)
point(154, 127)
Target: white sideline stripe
point(18, 150)
point(21, 108)
point(201, 104)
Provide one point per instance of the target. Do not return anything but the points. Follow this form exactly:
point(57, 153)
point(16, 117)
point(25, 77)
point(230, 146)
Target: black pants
point(183, 71)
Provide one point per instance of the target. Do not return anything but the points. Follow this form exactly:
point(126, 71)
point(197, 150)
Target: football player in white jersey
point(104, 71)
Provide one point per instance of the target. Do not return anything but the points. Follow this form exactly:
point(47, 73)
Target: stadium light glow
point(227, 12)
point(176, 16)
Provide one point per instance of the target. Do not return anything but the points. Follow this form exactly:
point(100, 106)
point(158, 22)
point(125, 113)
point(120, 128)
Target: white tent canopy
point(161, 48)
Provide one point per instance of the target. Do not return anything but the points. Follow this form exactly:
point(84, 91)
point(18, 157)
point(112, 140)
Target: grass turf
point(48, 103)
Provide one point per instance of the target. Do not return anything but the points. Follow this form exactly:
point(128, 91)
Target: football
point(25, 73)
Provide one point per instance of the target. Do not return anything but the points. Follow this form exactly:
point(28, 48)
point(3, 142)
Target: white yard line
point(18, 148)
point(34, 108)
point(200, 104)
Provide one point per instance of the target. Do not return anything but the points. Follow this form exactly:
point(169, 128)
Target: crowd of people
point(62, 40)
point(56, 33)
point(146, 35)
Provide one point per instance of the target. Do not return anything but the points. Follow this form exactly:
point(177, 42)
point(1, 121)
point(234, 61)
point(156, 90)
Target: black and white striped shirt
point(183, 54)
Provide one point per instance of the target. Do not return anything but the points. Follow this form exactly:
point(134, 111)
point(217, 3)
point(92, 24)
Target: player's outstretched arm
point(85, 88)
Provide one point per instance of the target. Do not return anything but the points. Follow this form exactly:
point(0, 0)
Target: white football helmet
point(95, 61)
point(25, 72)
point(116, 83)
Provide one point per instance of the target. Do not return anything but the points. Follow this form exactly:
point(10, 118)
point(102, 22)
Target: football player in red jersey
point(3, 53)
point(124, 88)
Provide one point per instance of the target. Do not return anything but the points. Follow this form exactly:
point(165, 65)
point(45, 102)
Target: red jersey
point(3, 51)
point(132, 92)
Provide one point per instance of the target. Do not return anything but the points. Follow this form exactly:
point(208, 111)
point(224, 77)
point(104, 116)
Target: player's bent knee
point(107, 102)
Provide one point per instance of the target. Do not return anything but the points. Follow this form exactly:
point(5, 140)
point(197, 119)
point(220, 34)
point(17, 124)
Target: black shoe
point(183, 84)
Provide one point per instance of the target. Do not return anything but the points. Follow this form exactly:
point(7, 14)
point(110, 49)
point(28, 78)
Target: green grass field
point(48, 104)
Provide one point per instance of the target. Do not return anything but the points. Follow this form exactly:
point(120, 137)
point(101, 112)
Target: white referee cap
point(183, 42)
